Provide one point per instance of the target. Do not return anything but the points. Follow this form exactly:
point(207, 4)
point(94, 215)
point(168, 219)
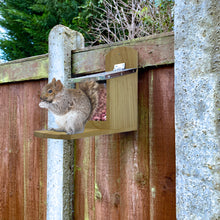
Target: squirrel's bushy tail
point(90, 88)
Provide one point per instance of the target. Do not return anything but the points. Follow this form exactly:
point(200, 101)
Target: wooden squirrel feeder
point(122, 96)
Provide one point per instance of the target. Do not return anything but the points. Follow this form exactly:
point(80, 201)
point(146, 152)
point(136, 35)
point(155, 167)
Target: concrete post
point(197, 104)
point(60, 153)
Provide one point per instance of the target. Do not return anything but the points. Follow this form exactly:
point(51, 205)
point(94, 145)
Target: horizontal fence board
point(152, 51)
point(31, 68)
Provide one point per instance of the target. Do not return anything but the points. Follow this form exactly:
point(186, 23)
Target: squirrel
point(72, 108)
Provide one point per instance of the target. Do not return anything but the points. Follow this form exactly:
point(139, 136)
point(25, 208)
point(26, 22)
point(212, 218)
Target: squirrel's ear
point(59, 85)
point(54, 81)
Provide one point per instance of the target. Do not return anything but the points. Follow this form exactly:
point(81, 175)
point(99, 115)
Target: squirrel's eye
point(50, 91)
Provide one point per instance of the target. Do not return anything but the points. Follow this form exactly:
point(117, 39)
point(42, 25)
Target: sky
point(1, 32)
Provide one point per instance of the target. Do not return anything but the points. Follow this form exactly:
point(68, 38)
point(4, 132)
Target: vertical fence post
point(60, 153)
point(197, 103)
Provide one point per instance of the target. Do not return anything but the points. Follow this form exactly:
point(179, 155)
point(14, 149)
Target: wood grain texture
point(153, 50)
point(23, 157)
point(107, 173)
point(25, 69)
point(84, 181)
point(122, 91)
point(162, 143)
point(132, 175)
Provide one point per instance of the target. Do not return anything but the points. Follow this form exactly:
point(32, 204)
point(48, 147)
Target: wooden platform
point(87, 133)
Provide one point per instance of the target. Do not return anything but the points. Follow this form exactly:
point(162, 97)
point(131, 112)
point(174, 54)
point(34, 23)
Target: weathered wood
point(152, 51)
point(107, 167)
point(31, 68)
point(162, 143)
point(142, 175)
point(132, 175)
point(22, 156)
point(84, 181)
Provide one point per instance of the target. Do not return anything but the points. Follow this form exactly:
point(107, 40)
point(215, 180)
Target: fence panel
point(132, 175)
point(23, 157)
point(121, 176)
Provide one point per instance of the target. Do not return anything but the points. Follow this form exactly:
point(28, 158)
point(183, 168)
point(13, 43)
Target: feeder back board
point(122, 91)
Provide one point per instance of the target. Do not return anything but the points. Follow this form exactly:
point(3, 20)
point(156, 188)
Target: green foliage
point(162, 19)
point(28, 23)
point(85, 18)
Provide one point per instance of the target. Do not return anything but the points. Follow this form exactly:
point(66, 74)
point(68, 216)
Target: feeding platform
point(122, 97)
point(87, 133)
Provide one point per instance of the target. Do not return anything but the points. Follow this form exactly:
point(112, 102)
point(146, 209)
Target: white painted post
point(60, 153)
point(197, 104)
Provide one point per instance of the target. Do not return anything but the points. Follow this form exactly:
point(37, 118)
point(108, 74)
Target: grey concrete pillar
point(197, 104)
point(60, 153)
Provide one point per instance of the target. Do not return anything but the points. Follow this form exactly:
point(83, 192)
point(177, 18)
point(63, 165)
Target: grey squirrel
point(72, 108)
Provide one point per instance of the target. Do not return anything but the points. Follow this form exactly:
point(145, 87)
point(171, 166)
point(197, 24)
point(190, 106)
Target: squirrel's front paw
point(43, 104)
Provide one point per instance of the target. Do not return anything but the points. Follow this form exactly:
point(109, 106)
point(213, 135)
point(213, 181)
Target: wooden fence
point(121, 176)
point(22, 156)
point(132, 175)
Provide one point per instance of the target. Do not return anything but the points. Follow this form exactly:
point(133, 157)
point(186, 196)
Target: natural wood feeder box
point(122, 96)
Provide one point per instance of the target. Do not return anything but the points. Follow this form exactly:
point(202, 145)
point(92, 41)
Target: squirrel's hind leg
point(75, 128)
point(74, 124)
point(57, 129)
